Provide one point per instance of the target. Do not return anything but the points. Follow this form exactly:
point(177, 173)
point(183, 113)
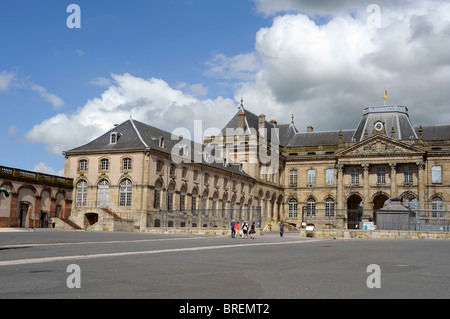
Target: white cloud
point(47, 96)
point(41, 167)
point(100, 81)
point(239, 67)
point(6, 79)
point(12, 130)
point(151, 101)
point(326, 73)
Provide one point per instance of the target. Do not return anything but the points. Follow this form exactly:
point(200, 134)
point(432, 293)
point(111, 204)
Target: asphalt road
point(36, 264)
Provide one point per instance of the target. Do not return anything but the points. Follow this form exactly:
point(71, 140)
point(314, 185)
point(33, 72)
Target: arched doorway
point(379, 201)
point(354, 211)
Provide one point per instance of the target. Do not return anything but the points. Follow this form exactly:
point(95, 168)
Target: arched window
point(329, 207)
point(81, 194)
point(293, 208)
point(103, 193)
point(437, 206)
point(310, 207)
point(125, 193)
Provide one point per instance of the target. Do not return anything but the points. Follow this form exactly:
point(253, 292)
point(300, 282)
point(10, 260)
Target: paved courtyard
point(135, 265)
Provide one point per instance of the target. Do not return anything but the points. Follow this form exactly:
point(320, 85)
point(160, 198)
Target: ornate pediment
point(380, 145)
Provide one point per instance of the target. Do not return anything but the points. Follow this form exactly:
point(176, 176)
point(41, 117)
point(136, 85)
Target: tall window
point(330, 176)
point(81, 195)
point(329, 207)
point(103, 193)
point(159, 166)
point(437, 206)
point(293, 178)
point(381, 175)
point(436, 174)
point(355, 176)
point(310, 207)
point(311, 177)
point(83, 165)
point(293, 208)
point(182, 201)
point(157, 200)
point(194, 202)
point(126, 163)
point(170, 198)
point(408, 173)
point(125, 193)
point(104, 164)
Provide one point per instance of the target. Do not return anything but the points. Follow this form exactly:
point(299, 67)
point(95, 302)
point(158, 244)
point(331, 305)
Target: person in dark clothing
point(233, 233)
point(253, 231)
point(281, 229)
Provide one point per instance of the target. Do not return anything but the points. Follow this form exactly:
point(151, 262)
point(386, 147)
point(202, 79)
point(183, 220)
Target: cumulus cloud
point(151, 101)
point(327, 71)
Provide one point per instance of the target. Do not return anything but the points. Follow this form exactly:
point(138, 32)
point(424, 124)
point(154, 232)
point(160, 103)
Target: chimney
point(273, 122)
point(262, 125)
point(310, 129)
point(241, 120)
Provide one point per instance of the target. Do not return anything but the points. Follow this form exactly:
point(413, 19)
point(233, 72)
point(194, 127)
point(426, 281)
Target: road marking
point(99, 242)
point(147, 252)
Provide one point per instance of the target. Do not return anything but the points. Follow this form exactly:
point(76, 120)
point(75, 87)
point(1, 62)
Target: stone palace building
point(136, 176)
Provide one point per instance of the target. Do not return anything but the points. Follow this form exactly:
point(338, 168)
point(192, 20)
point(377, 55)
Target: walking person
point(245, 230)
point(236, 229)
point(281, 229)
point(233, 232)
point(253, 231)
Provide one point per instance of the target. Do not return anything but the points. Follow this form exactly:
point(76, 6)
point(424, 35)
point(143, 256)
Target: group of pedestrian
point(236, 232)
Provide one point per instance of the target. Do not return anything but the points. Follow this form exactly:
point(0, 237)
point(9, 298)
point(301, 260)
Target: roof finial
point(292, 119)
point(241, 106)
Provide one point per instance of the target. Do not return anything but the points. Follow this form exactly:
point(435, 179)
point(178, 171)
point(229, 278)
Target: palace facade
point(31, 199)
point(136, 176)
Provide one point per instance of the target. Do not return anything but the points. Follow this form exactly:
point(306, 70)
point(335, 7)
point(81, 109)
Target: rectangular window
point(104, 164)
point(159, 166)
point(311, 177)
point(127, 163)
point(381, 175)
point(408, 175)
point(355, 176)
point(330, 176)
point(293, 178)
point(157, 201)
point(83, 165)
point(436, 174)
point(182, 202)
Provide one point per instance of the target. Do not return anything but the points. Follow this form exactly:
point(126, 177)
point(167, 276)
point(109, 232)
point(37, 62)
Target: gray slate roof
point(135, 135)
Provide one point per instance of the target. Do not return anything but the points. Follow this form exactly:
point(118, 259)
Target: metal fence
point(419, 219)
point(203, 217)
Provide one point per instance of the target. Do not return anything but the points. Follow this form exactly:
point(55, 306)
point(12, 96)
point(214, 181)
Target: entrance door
point(103, 194)
point(378, 203)
point(353, 211)
point(23, 215)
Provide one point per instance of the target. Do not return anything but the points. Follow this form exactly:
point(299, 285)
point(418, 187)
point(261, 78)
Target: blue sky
point(170, 62)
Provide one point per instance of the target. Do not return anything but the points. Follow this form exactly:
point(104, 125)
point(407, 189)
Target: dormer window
point(114, 137)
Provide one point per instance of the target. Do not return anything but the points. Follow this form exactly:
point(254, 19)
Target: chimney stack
point(273, 122)
point(241, 120)
point(262, 125)
point(310, 129)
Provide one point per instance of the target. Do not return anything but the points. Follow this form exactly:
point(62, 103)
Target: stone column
point(366, 201)
point(421, 182)
point(393, 179)
point(367, 213)
point(340, 186)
